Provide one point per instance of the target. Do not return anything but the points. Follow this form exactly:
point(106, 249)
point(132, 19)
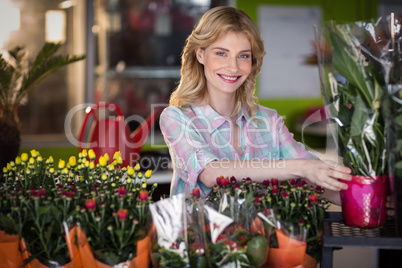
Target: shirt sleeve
point(289, 147)
point(188, 149)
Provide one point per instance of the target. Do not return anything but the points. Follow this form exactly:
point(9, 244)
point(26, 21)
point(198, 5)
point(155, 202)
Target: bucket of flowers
point(43, 204)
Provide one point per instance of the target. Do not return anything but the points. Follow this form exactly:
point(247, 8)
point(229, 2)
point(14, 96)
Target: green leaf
point(350, 67)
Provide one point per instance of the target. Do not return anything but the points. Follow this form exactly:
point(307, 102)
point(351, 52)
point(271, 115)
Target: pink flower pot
point(363, 203)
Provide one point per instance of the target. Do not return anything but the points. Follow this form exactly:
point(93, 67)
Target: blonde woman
point(213, 126)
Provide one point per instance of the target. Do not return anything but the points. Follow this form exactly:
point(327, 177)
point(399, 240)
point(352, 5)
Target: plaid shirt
point(198, 135)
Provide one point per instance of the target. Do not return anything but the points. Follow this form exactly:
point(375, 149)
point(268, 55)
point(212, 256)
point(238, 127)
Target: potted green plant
point(357, 78)
point(18, 78)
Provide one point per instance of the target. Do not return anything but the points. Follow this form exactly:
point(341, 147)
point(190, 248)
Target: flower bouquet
point(359, 79)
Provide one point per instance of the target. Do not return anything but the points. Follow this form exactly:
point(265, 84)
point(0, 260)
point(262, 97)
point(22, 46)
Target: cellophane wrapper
point(169, 247)
point(288, 242)
point(360, 73)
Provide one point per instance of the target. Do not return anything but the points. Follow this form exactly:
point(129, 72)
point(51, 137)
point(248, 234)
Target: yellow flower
point(130, 171)
point(92, 165)
point(62, 164)
point(110, 167)
point(137, 167)
point(18, 160)
point(148, 173)
point(12, 164)
point(144, 186)
point(139, 175)
point(34, 153)
point(72, 161)
point(116, 155)
point(86, 163)
point(106, 156)
point(91, 154)
point(5, 170)
point(102, 161)
point(24, 157)
point(84, 153)
point(40, 158)
point(128, 180)
point(51, 170)
point(64, 171)
point(104, 177)
point(31, 160)
point(50, 160)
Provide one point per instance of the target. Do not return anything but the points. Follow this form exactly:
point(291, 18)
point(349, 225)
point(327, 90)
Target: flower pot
point(9, 251)
point(88, 260)
point(290, 253)
point(364, 202)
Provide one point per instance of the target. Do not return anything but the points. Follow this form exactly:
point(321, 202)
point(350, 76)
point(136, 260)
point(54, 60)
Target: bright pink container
point(364, 202)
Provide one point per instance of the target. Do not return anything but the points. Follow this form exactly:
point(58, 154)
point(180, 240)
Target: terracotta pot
point(291, 253)
point(88, 259)
point(9, 251)
point(364, 202)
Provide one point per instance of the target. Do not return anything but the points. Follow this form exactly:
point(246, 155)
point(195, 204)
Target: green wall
point(340, 10)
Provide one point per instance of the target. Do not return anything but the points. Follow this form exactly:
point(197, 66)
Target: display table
point(337, 235)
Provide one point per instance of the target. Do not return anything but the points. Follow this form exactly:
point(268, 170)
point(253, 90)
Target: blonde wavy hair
point(213, 25)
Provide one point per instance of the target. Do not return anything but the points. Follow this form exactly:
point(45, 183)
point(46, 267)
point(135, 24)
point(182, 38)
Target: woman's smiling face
point(227, 63)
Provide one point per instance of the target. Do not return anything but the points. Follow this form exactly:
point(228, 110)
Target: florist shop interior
point(82, 78)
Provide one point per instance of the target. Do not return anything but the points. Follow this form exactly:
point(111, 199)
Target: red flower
point(232, 180)
point(313, 198)
point(121, 191)
point(265, 183)
point(196, 192)
point(90, 204)
point(41, 192)
point(292, 182)
point(274, 182)
point(143, 196)
point(285, 194)
point(122, 214)
point(275, 190)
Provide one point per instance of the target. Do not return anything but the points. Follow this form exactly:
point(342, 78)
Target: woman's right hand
point(326, 173)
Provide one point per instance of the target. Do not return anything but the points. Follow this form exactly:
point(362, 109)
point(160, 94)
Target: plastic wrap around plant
point(360, 72)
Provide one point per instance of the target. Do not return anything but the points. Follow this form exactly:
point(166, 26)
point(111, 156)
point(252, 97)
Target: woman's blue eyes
point(243, 56)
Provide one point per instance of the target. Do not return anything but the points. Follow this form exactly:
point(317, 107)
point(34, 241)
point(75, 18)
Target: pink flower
point(292, 182)
point(122, 214)
point(90, 204)
point(285, 194)
point(143, 196)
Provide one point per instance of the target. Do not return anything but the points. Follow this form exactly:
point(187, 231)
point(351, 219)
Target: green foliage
point(18, 78)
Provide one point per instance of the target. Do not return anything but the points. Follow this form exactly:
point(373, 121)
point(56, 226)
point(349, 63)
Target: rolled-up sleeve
point(189, 150)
